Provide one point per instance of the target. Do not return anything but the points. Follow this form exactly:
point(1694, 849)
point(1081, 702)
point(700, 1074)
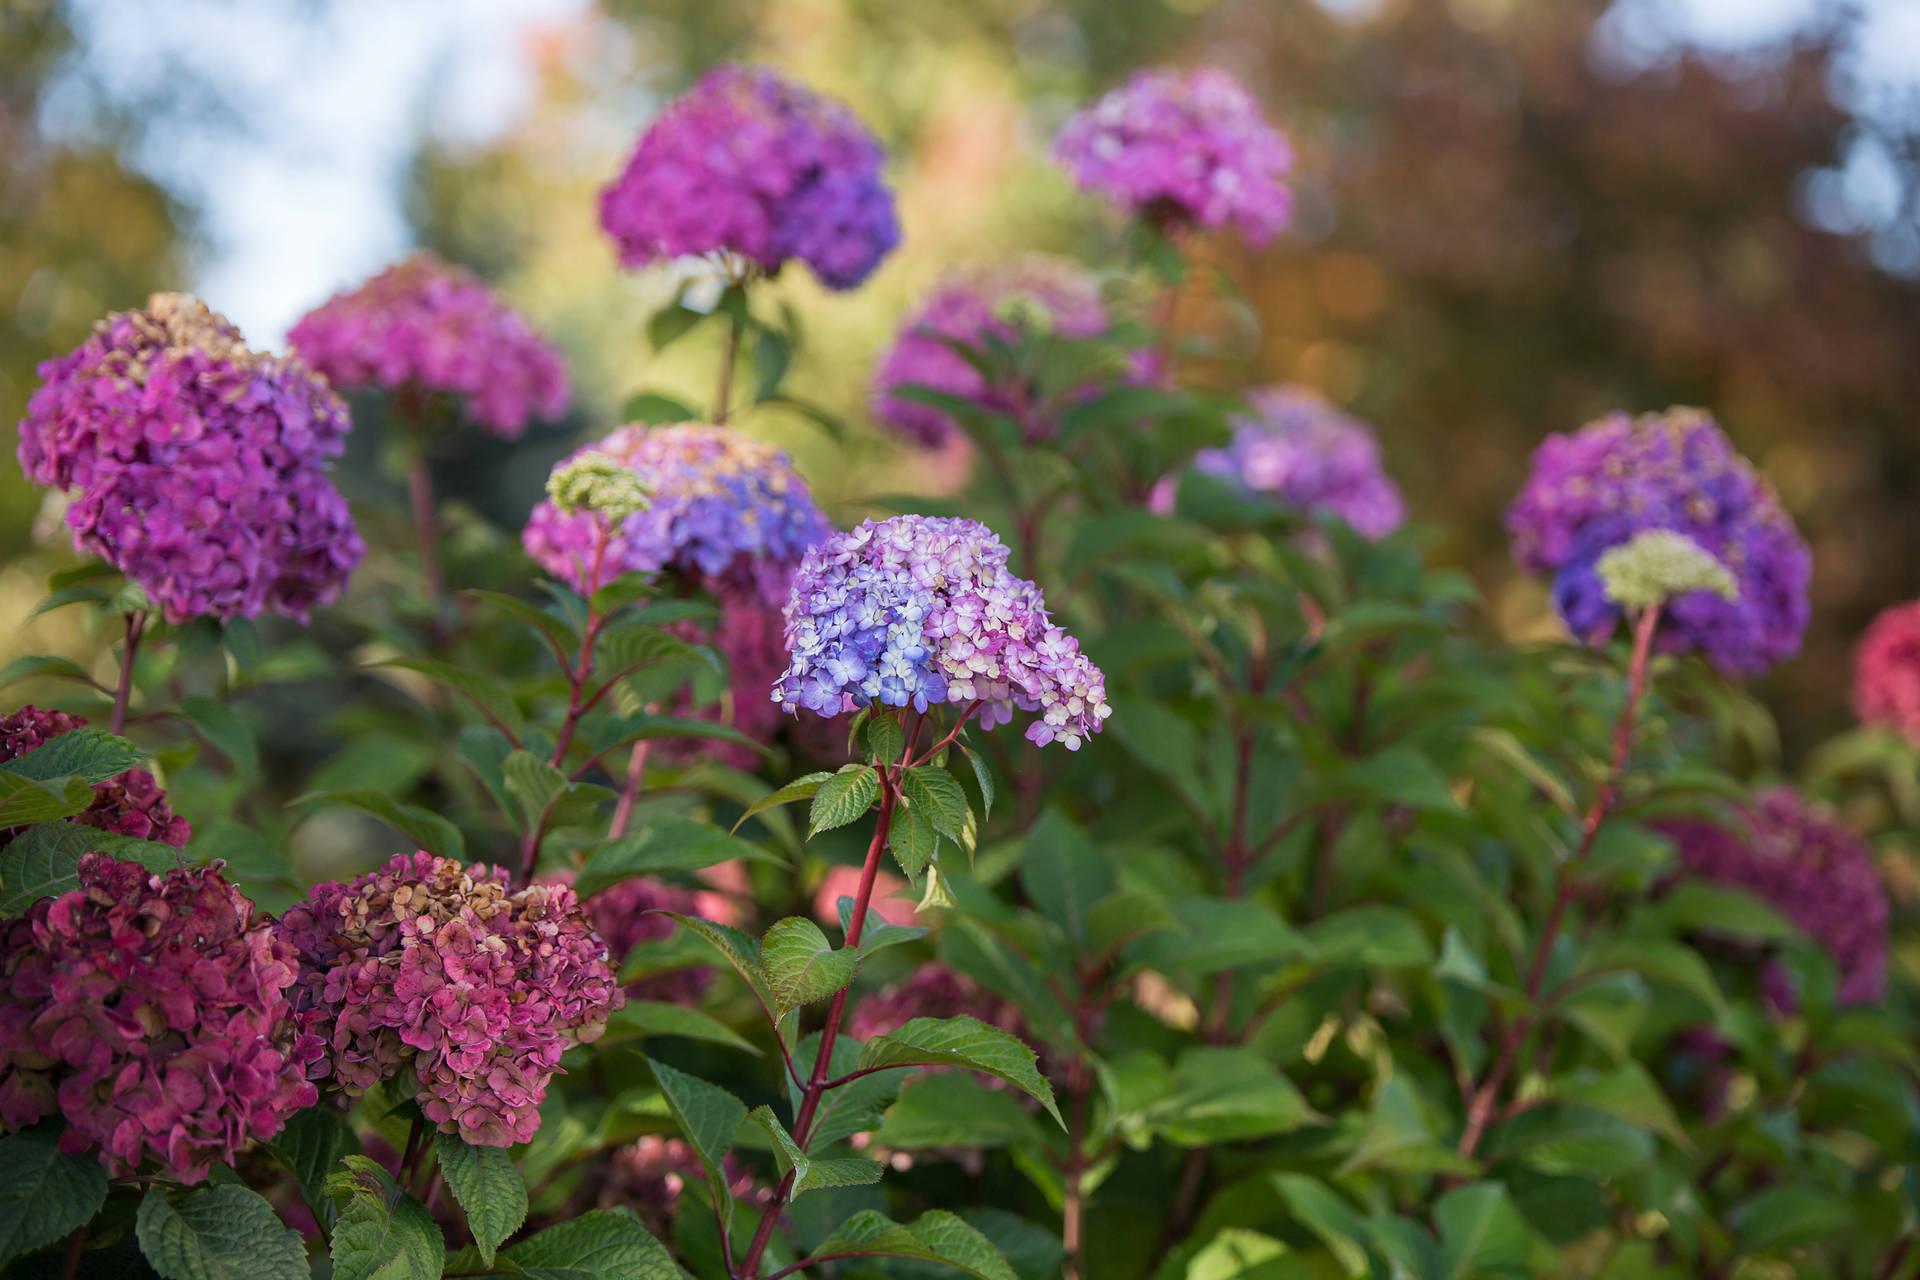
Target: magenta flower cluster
point(934, 991)
point(151, 1012)
point(628, 913)
point(199, 467)
point(1183, 149)
point(1041, 292)
point(1886, 672)
point(725, 509)
point(752, 164)
point(1814, 870)
point(128, 804)
point(1309, 455)
point(917, 611)
point(649, 1177)
point(438, 970)
point(431, 327)
point(1622, 476)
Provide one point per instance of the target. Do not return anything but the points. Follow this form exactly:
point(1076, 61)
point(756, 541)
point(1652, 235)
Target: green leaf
point(426, 829)
point(1237, 1253)
point(669, 842)
point(1123, 917)
point(1658, 960)
point(1788, 1215)
point(1227, 1095)
point(801, 965)
point(854, 1107)
point(878, 933)
point(43, 861)
point(1222, 933)
point(310, 1145)
point(601, 1244)
point(1064, 872)
point(961, 1042)
point(1397, 1136)
point(1563, 1138)
point(484, 749)
point(659, 1018)
point(801, 788)
point(534, 783)
point(1481, 1233)
point(1323, 1211)
point(810, 1174)
point(488, 1186)
point(953, 1109)
point(92, 754)
point(653, 408)
point(933, 1237)
point(489, 695)
point(558, 634)
point(1398, 775)
point(45, 1193)
point(707, 1115)
point(382, 1231)
point(742, 951)
point(913, 842)
point(218, 1233)
point(884, 739)
point(668, 325)
point(935, 796)
point(25, 801)
point(1721, 910)
point(42, 664)
point(222, 726)
point(843, 797)
point(1374, 935)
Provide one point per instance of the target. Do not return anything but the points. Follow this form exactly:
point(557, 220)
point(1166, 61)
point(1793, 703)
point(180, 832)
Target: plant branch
point(136, 627)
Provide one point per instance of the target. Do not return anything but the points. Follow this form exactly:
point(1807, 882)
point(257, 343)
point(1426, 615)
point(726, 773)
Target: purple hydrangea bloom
point(1622, 476)
point(752, 164)
point(1814, 870)
point(725, 509)
point(199, 466)
point(1183, 149)
point(150, 1012)
point(1309, 455)
point(426, 324)
point(970, 306)
point(919, 610)
point(128, 804)
point(441, 971)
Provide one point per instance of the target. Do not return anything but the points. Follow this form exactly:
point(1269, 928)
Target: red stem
point(636, 772)
point(136, 627)
point(1480, 1111)
point(577, 701)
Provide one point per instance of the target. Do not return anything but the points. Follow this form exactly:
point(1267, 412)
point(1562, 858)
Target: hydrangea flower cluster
point(200, 466)
point(1183, 149)
point(725, 508)
point(1652, 568)
point(152, 1013)
point(649, 1175)
point(128, 804)
point(439, 970)
point(752, 164)
point(1621, 476)
point(426, 324)
point(626, 914)
point(1814, 870)
point(934, 991)
point(1886, 672)
point(1039, 291)
point(919, 610)
point(1307, 454)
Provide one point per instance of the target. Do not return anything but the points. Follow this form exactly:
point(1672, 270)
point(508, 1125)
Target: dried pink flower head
point(441, 971)
point(152, 1013)
point(129, 804)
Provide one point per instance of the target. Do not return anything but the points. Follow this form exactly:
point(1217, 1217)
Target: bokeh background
point(1513, 215)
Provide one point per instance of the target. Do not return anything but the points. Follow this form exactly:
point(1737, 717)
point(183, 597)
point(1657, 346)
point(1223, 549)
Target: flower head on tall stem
point(128, 804)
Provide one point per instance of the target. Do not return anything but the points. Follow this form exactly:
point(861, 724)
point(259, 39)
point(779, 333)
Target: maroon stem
point(136, 627)
point(1480, 1111)
point(426, 534)
point(729, 355)
point(636, 773)
point(1073, 1200)
point(818, 1082)
point(76, 1245)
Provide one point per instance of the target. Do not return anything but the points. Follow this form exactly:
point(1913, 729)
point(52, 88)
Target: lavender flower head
point(151, 1012)
point(919, 610)
point(128, 804)
point(1042, 292)
point(725, 509)
point(1183, 149)
point(1596, 489)
point(440, 971)
point(1886, 672)
point(1309, 455)
point(752, 164)
point(1812, 869)
point(199, 466)
point(429, 325)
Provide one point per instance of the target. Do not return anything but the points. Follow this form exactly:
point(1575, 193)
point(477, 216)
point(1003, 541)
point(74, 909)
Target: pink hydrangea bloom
point(438, 970)
point(892, 898)
point(427, 324)
point(152, 1013)
point(129, 804)
point(969, 307)
point(1814, 870)
point(934, 991)
point(199, 467)
point(1183, 149)
point(752, 164)
point(1886, 672)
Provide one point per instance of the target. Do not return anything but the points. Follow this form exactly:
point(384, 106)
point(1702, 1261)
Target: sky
point(301, 191)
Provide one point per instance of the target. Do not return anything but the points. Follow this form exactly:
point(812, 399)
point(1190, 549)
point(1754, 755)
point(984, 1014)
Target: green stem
point(136, 627)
